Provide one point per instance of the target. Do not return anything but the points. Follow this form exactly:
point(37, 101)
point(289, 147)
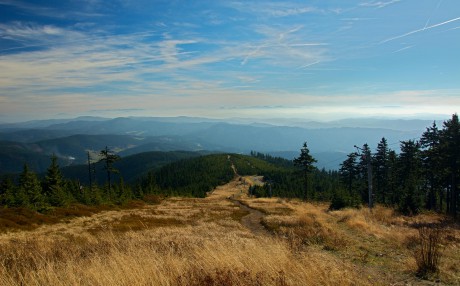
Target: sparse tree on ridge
point(109, 159)
point(305, 161)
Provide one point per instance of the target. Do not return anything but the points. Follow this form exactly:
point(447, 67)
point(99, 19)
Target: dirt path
point(252, 221)
point(235, 189)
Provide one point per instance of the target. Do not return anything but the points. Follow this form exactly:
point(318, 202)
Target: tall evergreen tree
point(380, 169)
point(109, 159)
point(91, 172)
point(53, 184)
point(393, 178)
point(410, 197)
point(433, 170)
point(7, 192)
point(365, 175)
point(305, 161)
point(349, 172)
point(450, 149)
point(30, 192)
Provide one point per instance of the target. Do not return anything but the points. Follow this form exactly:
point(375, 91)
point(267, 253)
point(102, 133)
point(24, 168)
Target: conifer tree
point(109, 159)
point(30, 192)
point(54, 184)
point(363, 173)
point(305, 161)
point(393, 178)
point(7, 192)
point(349, 172)
point(433, 170)
point(411, 197)
point(380, 164)
point(450, 152)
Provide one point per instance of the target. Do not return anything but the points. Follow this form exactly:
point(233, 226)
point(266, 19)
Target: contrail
point(420, 30)
point(308, 65)
point(429, 18)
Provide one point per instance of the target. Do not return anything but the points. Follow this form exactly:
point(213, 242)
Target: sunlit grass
point(185, 241)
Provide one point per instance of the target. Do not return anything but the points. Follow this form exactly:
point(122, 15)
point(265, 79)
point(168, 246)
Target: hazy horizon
point(321, 60)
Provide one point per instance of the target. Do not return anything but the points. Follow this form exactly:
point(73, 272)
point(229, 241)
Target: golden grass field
point(216, 241)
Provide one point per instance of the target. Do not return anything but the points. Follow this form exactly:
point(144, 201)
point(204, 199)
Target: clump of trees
point(53, 190)
point(424, 175)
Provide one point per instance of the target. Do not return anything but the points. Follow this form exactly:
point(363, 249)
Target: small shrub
point(428, 252)
point(152, 199)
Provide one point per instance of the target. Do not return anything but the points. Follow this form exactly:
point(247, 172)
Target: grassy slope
point(185, 241)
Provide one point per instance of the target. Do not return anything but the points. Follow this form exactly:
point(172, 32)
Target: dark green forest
point(423, 175)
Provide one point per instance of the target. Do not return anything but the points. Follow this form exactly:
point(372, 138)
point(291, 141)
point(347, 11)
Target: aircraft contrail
point(420, 30)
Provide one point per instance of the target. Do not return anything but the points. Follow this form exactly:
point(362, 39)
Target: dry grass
point(184, 241)
point(204, 254)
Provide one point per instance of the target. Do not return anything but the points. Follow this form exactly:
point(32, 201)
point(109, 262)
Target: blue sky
point(322, 60)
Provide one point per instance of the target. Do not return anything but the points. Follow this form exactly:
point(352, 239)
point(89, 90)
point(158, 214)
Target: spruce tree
point(29, 192)
point(7, 192)
point(109, 159)
point(380, 168)
point(411, 197)
point(305, 161)
point(54, 184)
point(433, 170)
point(349, 172)
point(450, 152)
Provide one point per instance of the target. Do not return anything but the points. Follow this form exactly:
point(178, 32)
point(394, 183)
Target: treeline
point(54, 190)
point(284, 179)
point(424, 175)
point(186, 177)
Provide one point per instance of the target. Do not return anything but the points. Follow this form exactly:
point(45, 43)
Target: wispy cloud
point(379, 4)
point(285, 47)
point(274, 9)
point(43, 10)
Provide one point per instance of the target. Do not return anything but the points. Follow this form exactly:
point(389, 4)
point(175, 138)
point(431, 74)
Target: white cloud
point(379, 4)
point(274, 9)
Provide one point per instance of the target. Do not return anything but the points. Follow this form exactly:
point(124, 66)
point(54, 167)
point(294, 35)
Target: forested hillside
point(423, 175)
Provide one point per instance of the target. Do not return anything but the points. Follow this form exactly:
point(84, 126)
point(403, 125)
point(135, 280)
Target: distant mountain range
point(34, 142)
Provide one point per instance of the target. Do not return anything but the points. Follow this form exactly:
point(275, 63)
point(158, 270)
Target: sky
point(320, 60)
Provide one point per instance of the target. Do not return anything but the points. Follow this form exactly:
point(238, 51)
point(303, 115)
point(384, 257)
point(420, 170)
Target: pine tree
point(450, 152)
point(305, 161)
point(54, 184)
point(433, 170)
point(7, 192)
point(393, 178)
point(380, 168)
point(349, 172)
point(109, 159)
point(410, 198)
point(365, 174)
point(29, 192)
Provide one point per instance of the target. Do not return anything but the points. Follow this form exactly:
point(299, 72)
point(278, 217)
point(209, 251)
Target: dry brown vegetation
point(184, 241)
